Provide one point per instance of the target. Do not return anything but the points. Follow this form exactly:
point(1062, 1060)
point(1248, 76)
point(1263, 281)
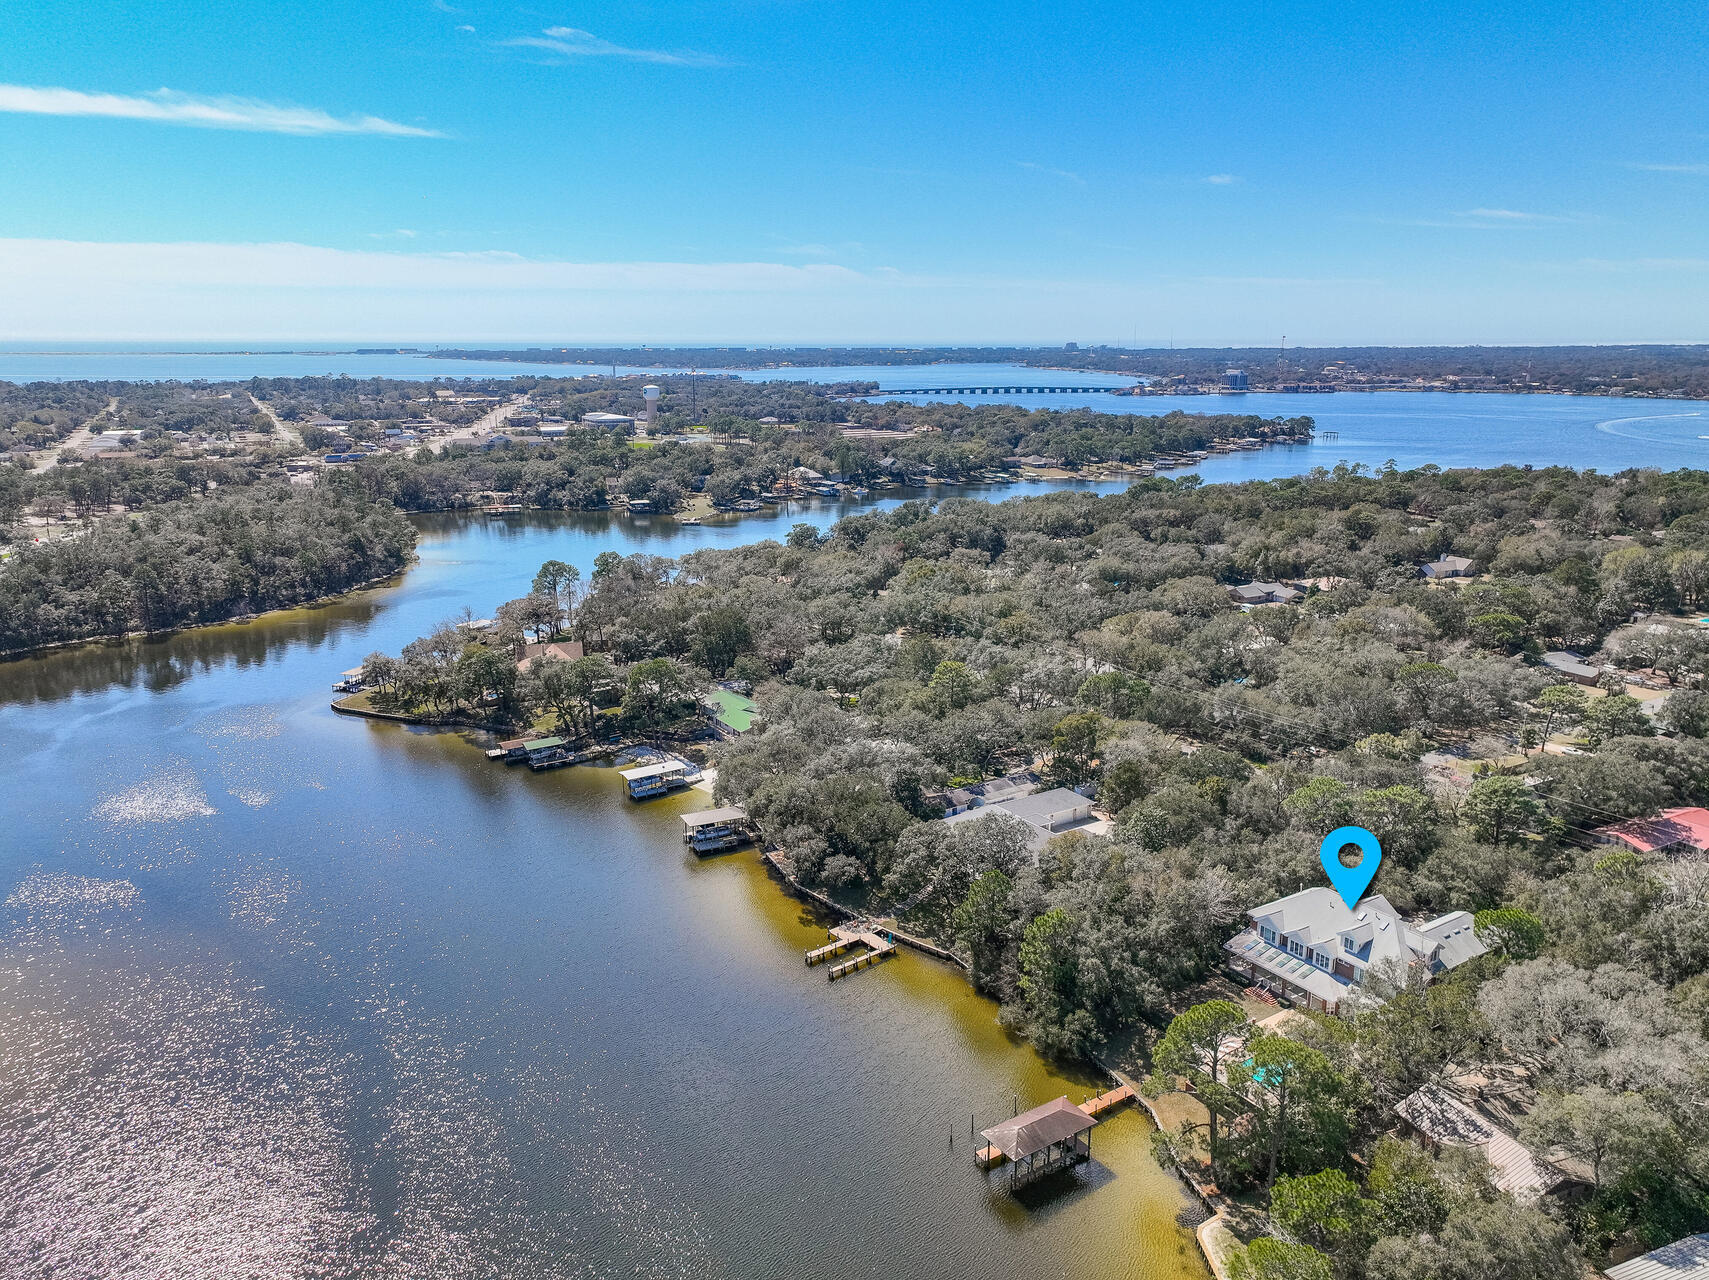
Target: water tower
point(650, 394)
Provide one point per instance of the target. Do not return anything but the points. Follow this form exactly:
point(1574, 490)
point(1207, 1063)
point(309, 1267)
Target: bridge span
point(990, 391)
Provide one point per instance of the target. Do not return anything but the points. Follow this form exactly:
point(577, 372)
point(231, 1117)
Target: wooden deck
point(845, 938)
point(1096, 1107)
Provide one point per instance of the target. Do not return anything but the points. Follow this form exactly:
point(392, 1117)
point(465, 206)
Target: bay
point(287, 994)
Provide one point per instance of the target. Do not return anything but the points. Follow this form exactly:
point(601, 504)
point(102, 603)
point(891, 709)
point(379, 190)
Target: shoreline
point(241, 619)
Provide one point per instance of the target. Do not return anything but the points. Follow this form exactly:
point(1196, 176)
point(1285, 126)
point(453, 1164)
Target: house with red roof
point(1672, 831)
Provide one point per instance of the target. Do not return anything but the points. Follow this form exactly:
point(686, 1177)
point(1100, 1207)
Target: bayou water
point(286, 994)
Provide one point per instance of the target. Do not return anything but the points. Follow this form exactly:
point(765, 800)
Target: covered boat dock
point(1057, 1135)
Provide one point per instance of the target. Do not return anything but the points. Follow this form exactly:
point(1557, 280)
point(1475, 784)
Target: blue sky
point(790, 170)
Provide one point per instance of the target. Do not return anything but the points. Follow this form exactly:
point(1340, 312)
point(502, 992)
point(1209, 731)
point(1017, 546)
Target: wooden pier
point(1070, 1151)
point(846, 937)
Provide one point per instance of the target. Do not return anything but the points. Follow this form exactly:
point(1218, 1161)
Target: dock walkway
point(845, 938)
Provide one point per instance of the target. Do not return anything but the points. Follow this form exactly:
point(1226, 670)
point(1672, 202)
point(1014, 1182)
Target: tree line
point(1093, 640)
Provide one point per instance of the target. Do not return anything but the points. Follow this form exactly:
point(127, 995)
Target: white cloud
point(66, 290)
point(1222, 179)
point(573, 42)
point(1700, 169)
point(166, 106)
point(1067, 175)
point(1510, 215)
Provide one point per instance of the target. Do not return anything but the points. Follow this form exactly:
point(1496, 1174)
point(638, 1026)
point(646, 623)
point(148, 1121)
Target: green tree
point(560, 581)
point(721, 635)
point(1326, 1211)
point(1196, 1046)
point(1499, 808)
point(1402, 1182)
point(1606, 1129)
point(983, 923)
point(1321, 805)
point(1049, 985)
point(1074, 746)
point(657, 693)
point(1268, 1258)
point(1501, 631)
point(1298, 1101)
point(1513, 931)
point(952, 686)
point(1560, 702)
point(1616, 716)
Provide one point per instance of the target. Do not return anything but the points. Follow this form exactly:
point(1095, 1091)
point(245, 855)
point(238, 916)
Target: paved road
point(488, 422)
point(79, 439)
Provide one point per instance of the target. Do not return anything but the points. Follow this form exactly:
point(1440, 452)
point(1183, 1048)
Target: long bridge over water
point(988, 391)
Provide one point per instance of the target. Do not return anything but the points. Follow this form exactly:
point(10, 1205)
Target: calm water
point(1411, 428)
point(284, 994)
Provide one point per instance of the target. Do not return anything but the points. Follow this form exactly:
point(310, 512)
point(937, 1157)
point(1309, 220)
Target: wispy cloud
point(1066, 175)
point(1628, 264)
point(166, 106)
point(1489, 219)
point(573, 42)
point(1221, 179)
point(1511, 215)
point(1700, 169)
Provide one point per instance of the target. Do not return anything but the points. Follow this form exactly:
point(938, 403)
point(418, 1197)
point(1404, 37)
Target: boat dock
point(1025, 1138)
point(845, 938)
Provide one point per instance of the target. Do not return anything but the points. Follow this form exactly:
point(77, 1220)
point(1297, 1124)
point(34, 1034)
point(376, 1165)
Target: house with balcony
point(1313, 949)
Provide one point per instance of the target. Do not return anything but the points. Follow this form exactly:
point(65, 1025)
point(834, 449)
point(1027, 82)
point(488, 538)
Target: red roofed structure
point(1670, 831)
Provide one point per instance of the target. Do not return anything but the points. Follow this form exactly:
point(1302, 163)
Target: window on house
point(1269, 935)
point(1296, 946)
point(1320, 959)
point(1347, 944)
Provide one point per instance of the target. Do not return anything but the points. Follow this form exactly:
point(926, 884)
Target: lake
point(286, 994)
point(1412, 428)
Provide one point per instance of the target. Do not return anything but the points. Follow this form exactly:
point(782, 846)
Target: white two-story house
point(1315, 950)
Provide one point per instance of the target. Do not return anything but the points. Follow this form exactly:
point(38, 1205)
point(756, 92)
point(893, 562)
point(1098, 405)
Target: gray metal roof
point(714, 817)
point(1044, 808)
point(1440, 1116)
point(1686, 1259)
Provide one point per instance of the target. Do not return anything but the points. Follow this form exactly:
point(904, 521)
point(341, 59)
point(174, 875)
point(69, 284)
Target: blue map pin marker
point(1350, 882)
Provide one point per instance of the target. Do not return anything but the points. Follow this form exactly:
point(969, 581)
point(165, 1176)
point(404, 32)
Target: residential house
point(1686, 1259)
point(1317, 951)
point(1250, 593)
point(555, 651)
point(1676, 832)
point(1570, 665)
point(1439, 1120)
point(956, 800)
point(1045, 813)
point(1447, 566)
point(732, 714)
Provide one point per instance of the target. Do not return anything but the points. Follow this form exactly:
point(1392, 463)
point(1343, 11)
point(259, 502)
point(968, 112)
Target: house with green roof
point(732, 713)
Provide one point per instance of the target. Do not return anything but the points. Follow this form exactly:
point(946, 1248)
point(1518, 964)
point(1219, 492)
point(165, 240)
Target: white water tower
point(650, 394)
